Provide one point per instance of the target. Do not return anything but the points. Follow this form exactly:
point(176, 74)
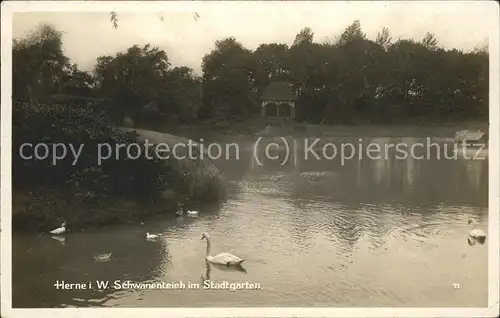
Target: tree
point(132, 78)
point(227, 81)
point(352, 33)
point(269, 63)
point(384, 38)
point(183, 95)
point(38, 63)
point(429, 41)
point(305, 35)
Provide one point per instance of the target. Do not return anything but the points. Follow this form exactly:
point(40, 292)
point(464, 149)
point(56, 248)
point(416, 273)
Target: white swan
point(103, 257)
point(151, 236)
point(227, 259)
point(476, 234)
point(192, 213)
point(60, 230)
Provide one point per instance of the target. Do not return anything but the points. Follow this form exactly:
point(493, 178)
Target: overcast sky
point(88, 35)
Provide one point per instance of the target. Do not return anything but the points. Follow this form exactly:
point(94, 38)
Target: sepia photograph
point(234, 158)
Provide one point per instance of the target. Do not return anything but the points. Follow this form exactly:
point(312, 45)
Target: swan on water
point(227, 259)
point(103, 257)
point(60, 230)
point(476, 234)
point(151, 236)
point(192, 213)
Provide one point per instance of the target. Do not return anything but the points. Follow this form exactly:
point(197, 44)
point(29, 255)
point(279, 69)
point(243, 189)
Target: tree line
point(350, 79)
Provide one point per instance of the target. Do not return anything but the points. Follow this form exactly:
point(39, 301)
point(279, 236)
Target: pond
point(365, 232)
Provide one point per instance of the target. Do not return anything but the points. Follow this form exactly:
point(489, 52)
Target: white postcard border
point(9, 7)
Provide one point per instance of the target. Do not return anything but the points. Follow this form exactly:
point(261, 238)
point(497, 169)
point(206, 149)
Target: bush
point(88, 182)
point(50, 124)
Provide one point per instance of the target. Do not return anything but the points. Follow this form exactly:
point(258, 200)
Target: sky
point(87, 35)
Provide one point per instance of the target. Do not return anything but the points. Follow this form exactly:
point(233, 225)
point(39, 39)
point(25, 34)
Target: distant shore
point(259, 126)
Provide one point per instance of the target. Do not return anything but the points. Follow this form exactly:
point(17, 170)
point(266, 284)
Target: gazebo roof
point(278, 91)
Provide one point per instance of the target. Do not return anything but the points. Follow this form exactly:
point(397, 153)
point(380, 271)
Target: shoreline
point(257, 127)
point(80, 216)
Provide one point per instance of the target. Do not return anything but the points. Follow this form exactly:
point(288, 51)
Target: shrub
point(52, 123)
point(88, 182)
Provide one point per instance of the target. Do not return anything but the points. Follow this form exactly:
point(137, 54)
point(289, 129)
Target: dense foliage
point(347, 80)
point(352, 79)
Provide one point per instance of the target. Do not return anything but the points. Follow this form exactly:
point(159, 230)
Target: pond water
point(382, 232)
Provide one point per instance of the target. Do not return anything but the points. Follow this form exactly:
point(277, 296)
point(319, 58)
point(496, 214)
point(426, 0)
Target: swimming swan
point(192, 213)
point(476, 234)
point(227, 259)
point(151, 236)
point(60, 230)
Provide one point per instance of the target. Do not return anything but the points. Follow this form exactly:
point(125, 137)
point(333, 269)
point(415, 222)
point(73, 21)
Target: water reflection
point(395, 179)
point(224, 268)
point(132, 258)
point(60, 239)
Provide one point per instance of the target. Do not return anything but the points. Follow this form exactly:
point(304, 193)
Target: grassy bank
point(86, 192)
point(263, 126)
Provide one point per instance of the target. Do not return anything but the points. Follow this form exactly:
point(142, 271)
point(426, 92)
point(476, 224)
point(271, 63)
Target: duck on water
point(181, 210)
point(151, 236)
point(60, 230)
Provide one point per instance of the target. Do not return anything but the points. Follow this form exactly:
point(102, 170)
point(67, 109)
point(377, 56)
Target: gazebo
point(278, 101)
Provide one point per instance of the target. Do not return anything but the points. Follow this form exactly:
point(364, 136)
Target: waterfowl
point(103, 257)
point(476, 234)
point(192, 213)
point(151, 236)
point(60, 230)
point(227, 259)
